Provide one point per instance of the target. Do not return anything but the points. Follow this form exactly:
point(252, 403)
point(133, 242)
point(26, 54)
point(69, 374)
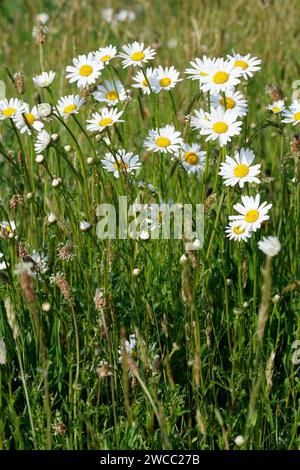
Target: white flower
point(105, 54)
point(141, 81)
point(42, 18)
point(85, 70)
point(192, 158)
point(238, 170)
point(29, 119)
point(40, 263)
point(270, 246)
point(105, 118)
point(130, 347)
point(110, 92)
point(248, 64)
point(200, 68)
point(292, 114)
point(121, 162)
point(43, 139)
point(221, 76)
point(234, 101)
point(3, 264)
point(235, 232)
point(253, 214)
point(219, 124)
point(84, 226)
point(277, 107)
point(125, 15)
point(44, 80)
point(70, 104)
point(9, 108)
point(164, 139)
point(7, 229)
point(165, 78)
point(107, 14)
point(136, 54)
point(200, 120)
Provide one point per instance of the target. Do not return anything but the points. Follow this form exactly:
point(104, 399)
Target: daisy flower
point(164, 139)
point(234, 100)
point(9, 108)
point(235, 232)
point(270, 246)
point(28, 119)
point(276, 107)
point(136, 54)
point(70, 104)
point(292, 114)
point(105, 54)
point(85, 70)
point(238, 170)
point(141, 81)
point(7, 228)
point(221, 76)
point(43, 139)
point(200, 120)
point(192, 158)
point(220, 124)
point(111, 93)
point(200, 68)
point(105, 118)
point(122, 162)
point(253, 214)
point(248, 64)
point(44, 80)
point(165, 78)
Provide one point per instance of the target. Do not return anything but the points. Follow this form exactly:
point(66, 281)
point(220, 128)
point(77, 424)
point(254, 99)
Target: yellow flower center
point(252, 216)
point(105, 58)
point(230, 103)
point(105, 122)
point(220, 127)
point(137, 56)
point(8, 112)
point(297, 116)
point(145, 83)
point(191, 158)
point(162, 142)
point(164, 82)
point(120, 165)
point(276, 109)
point(86, 70)
point(238, 230)
point(203, 74)
point(29, 118)
point(112, 95)
point(220, 77)
point(241, 63)
point(241, 171)
point(71, 107)
point(8, 229)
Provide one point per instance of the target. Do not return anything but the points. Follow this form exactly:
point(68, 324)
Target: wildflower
point(46, 307)
point(111, 93)
point(192, 158)
point(249, 65)
point(164, 139)
point(105, 370)
point(9, 108)
point(70, 104)
point(136, 54)
point(51, 218)
point(124, 15)
point(221, 76)
point(292, 114)
point(253, 214)
point(65, 251)
point(122, 162)
point(130, 347)
point(142, 82)
point(42, 18)
point(233, 99)
point(44, 80)
point(40, 262)
point(43, 140)
point(85, 70)
point(235, 232)
point(276, 107)
point(107, 14)
point(84, 226)
point(219, 125)
point(270, 246)
point(105, 118)
point(56, 182)
point(165, 78)
point(238, 170)
point(7, 229)
point(105, 54)
point(136, 272)
point(200, 68)
point(28, 120)
point(15, 201)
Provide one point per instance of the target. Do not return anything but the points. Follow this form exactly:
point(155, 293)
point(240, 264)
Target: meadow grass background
point(200, 379)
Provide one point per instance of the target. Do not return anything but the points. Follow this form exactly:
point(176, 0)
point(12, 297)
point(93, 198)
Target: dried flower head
point(15, 201)
point(105, 370)
point(65, 251)
point(275, 92)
